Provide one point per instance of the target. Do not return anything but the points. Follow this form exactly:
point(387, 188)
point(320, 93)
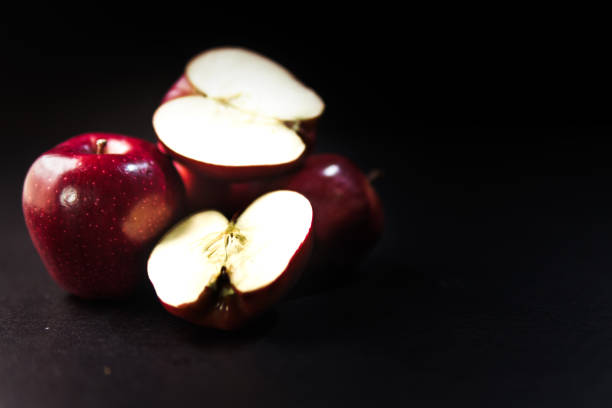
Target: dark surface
point(490, 287)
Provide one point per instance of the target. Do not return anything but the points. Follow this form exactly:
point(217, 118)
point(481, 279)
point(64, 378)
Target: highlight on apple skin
point(94, 205)
point(221, 273)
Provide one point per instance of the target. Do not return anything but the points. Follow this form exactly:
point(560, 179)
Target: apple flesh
point(306, 128)
point(94, 206)
point(236, 115)
point(223, 142)
point(220, 273)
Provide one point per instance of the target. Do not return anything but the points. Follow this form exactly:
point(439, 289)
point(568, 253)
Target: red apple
point(181, 87)
point(237, 115)
point(94, 206)
point(348, 215)
point(220, 273)
point(240, 194)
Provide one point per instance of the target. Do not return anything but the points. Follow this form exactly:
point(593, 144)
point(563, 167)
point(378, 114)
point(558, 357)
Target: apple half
point(220, 273)
point(246, 116)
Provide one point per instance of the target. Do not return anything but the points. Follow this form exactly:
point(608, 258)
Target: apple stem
point(100, 145)
point(374, 175)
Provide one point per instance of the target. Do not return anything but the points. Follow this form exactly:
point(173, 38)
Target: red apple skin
point(200, 192)
point(347, 209)
point(182, 87)
point(343, 200)
point(240, 194)
point(348, 218)
point(232, 312)
point(232, 173)
point(93, 218)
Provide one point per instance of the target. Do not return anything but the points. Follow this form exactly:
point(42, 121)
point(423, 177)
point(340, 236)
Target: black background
point(490, 287)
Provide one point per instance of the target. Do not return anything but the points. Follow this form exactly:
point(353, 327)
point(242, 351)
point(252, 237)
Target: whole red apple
point(95, 205)
point(348, 218)
point(348, 214)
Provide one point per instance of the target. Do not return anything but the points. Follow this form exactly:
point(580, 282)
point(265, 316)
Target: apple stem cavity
point(100, 145)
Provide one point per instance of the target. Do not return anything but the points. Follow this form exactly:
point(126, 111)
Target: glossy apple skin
point(93, 218)
point(201, 192)
point(234, 311)
point(347, 209)
point(348, 218)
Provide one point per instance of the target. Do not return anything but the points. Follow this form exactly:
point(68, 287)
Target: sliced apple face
point(252, 83)
point(210, 132)
point(208, 251)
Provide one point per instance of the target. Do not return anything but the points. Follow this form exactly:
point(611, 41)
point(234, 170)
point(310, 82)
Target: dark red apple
point(237, 115)
point(348, 215)
point(239, 195)
point(220, 273)
point(95, 205)
point(347, 210)
point(348, 219)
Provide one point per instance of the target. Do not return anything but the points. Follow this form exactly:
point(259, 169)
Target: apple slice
point(224, 142)
point(252, 83)
point(219, 273)
point(237, 115)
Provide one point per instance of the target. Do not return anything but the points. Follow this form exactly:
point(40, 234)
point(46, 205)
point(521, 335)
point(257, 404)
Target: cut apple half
point(252, 83)
point(219, 273)
point(225, 140)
